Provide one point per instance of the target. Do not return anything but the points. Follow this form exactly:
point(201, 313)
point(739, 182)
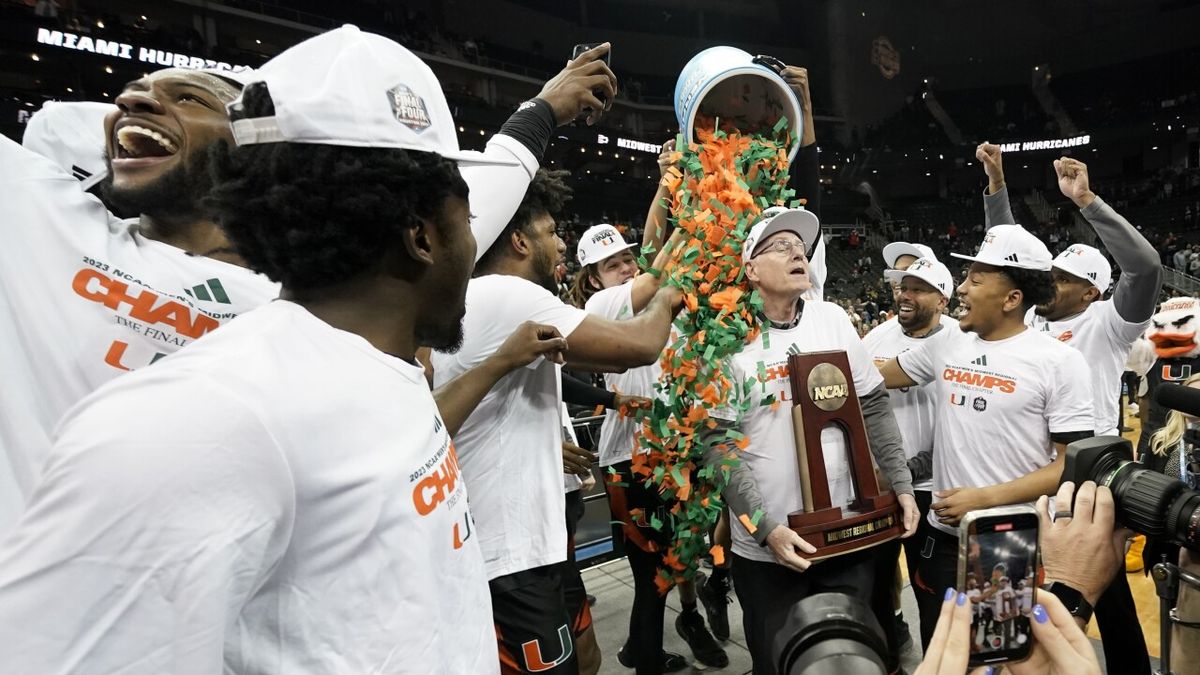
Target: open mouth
point(906, 310)
point(964, 308)
point(141, 143)
point(798, 272)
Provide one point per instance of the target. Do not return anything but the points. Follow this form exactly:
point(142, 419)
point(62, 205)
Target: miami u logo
point(958, 399)
point(1168, 372)
point(533, 651)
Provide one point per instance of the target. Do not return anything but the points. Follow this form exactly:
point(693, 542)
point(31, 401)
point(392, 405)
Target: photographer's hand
point(783, 542)
point(1081, 549)
point(1059, 644)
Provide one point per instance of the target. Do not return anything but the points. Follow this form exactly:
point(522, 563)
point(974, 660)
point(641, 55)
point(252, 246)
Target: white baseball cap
point(780, 219)
point(599, 242)
point(1087, 263)
point(72, 136)
point(898, 248)
point(928, 270)
point(350, 88)
point(1011, 246)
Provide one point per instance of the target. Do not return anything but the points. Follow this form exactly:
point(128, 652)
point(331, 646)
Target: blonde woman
point(1179, 441)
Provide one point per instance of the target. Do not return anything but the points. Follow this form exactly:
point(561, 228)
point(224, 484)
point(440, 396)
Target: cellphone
point(581, 48)
point(607, 58)
point(998, 570)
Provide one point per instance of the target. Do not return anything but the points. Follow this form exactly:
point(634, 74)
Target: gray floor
point(612, 585)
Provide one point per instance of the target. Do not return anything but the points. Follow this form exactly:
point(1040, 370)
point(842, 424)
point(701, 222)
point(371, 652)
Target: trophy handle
point(802, 457)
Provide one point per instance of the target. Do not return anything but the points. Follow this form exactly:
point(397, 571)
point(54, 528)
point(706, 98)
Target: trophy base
point(834, 531)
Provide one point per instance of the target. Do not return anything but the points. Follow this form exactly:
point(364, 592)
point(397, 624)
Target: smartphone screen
point(999, 573)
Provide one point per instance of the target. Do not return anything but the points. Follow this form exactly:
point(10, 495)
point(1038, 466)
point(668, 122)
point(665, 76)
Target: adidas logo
point(1092, 275)
point(793, 350)
point(80, 173)
point(1012, 258)
point(981, 361)
point(211, 291)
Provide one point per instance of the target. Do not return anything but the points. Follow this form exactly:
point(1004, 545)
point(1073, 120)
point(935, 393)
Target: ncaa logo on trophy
point(823, 395)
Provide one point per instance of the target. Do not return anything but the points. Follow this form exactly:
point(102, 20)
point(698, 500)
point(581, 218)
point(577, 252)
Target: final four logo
point(408, 108)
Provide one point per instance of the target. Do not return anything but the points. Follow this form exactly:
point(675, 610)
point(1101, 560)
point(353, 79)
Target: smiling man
point(91, 296)
point(510, 448)
point(1008, 400)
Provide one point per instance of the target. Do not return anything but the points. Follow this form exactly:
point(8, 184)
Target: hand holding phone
point(574, 89)
point(997, 571)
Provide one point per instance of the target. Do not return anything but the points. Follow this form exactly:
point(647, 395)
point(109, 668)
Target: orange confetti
point(718, 555)
point(745, 520)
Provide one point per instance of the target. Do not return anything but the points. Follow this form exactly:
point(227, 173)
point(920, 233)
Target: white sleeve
point(817, 271)
point(615, 304)
point(1069, 404)
point(497, 191)
point(143, 542)
point(539, 305)
point(1121, 333)
point(920, 363)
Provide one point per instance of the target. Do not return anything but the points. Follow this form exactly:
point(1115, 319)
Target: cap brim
point(475, 158)
point(898, 248)
point(801, 222)
point(1001, 263)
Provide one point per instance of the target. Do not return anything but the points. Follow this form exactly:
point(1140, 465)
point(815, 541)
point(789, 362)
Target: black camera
point(1148, 502)
point(830, 634)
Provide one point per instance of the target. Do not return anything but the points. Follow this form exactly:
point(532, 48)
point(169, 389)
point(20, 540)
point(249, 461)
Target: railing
point(1182, 282)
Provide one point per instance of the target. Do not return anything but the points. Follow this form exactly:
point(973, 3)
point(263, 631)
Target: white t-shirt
point(976, 605)
point(617, 432)
point(998, 403)
point(1105, 340)
point(85, 299)
point(281, 497)
point(510, 448)
point(915, 407)
point(771, 454)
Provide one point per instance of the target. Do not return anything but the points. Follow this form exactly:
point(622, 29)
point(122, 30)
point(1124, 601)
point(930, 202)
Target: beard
point(175, 196)
point(445, 336)
point(920, 318)
point(543, 269)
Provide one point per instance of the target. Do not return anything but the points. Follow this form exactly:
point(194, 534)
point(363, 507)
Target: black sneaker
point(671, 662)
point(690, 626)
point(715, 598)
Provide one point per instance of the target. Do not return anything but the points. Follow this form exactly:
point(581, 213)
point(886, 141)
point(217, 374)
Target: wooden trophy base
point(833, 531)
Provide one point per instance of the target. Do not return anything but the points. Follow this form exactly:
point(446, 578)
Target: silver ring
point(1062, 514)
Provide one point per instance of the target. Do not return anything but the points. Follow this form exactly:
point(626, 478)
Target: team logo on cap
point(408, 108)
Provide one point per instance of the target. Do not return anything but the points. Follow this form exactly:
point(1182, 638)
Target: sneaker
point(690, 626)
point(715, 598)
point(671, 662)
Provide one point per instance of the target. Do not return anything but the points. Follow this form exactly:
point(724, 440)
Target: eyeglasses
point(784, 246)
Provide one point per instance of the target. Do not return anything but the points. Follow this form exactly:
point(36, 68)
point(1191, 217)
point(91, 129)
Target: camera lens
point(830, 634)
point(1147, 501)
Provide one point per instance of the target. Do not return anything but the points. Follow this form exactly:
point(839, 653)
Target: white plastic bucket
point(727, 83)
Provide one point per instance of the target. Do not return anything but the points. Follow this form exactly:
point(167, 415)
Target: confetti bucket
point(730, 85)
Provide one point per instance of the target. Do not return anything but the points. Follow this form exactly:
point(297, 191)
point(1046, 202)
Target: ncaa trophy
point(823, 394)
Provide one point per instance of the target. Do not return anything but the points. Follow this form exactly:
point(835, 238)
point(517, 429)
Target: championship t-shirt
point(618, 432)
point(771, 453)
point(87, 298)
point(915, 407)
point(510, 447)
point(998, 401)
point(280, 497)
point(1104, 339)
